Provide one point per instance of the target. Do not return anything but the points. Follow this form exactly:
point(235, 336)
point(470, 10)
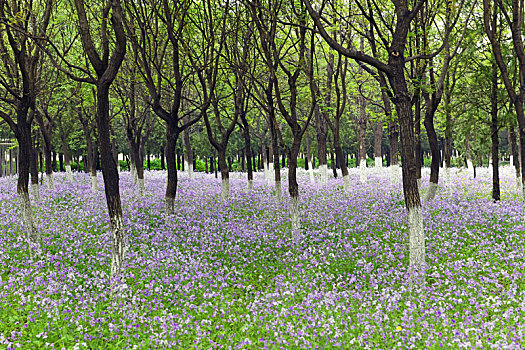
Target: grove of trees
point(248, 85)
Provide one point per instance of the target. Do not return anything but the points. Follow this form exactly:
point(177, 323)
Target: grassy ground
point(227, 275)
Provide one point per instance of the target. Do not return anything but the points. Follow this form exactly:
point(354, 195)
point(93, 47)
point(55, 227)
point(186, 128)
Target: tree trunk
point(434, 148)
point(188, 155)
point(362, 138)
point(339, 153)
point(409, 169)
point(225, 175)
point(172, 134)
point(276, 165)
point(265, 160)
point(248, 150)
point(448, 128)
point(322, 136)
point(293, 189)
point(310, 158)
point(378, 138)
point(49, 165)
point(494, 134)
point(111, 181)
point(61, 162)
point(162, 164)
point(33, 165)
point(67, 161)
point(514, 146)
point(417, 135)
point(23, 135)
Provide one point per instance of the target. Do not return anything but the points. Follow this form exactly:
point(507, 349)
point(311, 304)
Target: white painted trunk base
point(346, 182)
point(394, 173)
point(416, 236)
point(378, 162)
point(446, 170)
point(362, 171)
point(278, 190)
point(94, 183)
point(271, 172)
point(519, 185)
point(191, 174)
point(266, 175)
point(69, 173)
point(118, 247)
point(419, 186)
point(470, 166)
point(50, 182)
point(294, 214)
point(511, 161)
point(169, 205)
point(27, 217)
point(431, 191)
point(323, 171)
point(225, 189)
point(250, 185)
point(35, 192)
point(142, 187)
point(311, 174)
point(133, 173)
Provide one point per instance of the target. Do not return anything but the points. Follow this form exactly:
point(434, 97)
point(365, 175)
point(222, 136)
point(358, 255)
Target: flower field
point(227, 274)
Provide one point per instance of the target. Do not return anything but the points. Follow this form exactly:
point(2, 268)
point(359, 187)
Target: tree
point(394, 70)
point(23, 27)
point(106, 66)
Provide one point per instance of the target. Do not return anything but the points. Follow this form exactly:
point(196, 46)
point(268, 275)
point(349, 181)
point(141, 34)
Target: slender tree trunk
point(247, 147)
point(494, 134)
point(310, 158)
point(448, 128)
point(33, 164)
point(162, 164)
point(434, 148)
point(188, 156)
point(322, 136)
point(225, 175)
point(409, 169)
point(339, 153)
point(172, 134)
point(264, 160)
point(378, 138)
point(362, 138)
point(417, 135)
point(276, 165)
point(293, 189)
point(67, 161)
point(111, 181)
point(23, 135)
point(49, 166)
point(515, 152)
point(470, 165)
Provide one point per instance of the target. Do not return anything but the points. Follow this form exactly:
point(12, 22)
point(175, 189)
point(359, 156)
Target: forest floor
point(227, 274)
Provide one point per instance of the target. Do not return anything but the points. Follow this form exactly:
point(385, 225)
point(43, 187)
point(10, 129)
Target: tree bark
point(322, 135)
point(25, 148)
point(172, 134)
point(310, 158)
point(188, 154)
point(417, 135)
point(515, 152)
point(378, 138)
point(248, 150)
point(361, 138)
point(225, 175)
point(494, 134)
point(33, 165)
